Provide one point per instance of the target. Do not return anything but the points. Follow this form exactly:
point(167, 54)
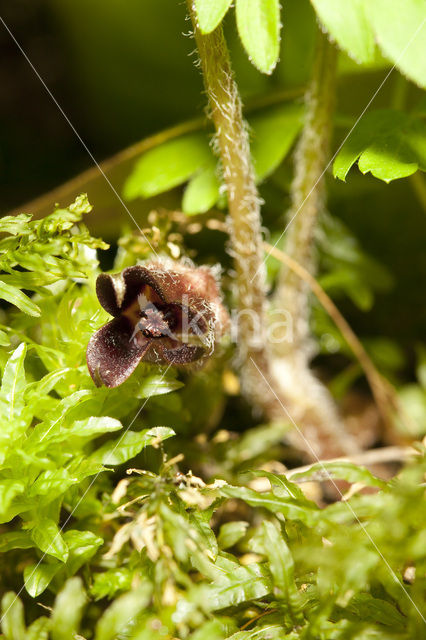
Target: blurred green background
point(123, 71)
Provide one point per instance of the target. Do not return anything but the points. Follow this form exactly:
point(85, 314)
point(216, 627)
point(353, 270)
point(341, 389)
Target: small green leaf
point(283, 487)
point(347, 23)
point(282, 567)
point(51, 483)
point(15, 225)
point(168, 166)
point(157, 385)
point(93, 426)
point(210, 13)
point(83, 466)
point(202, 192)
point(37, 577)
point(49, 539)
point(80, 206)
point(129, 445)
point(110, 582)
point(390, 144)
point(178, 531)
point(68, 610)
point(230, 533)
point(51, 428)
point(255, 442)
point(212, 630)
point(13, 383)
point(289, 507)
point(365, 607)
point(206, 536)
point(258, 23)
point(272, 135)
point(121, 614)
point(39, 629)
point(385, 353)
point(400, 29)
point(12, 618)
point(237, 584)
point(341, 471)
point(350, 271)
point(28, 280)
point(8, 490)
point(15, 540)
point(48, 382)
point(82, 546)
point(347, 279)
point(19, 299)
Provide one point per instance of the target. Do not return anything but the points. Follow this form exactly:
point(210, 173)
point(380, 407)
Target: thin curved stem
point(82, 182)
point(384, 394)
point(67, 191)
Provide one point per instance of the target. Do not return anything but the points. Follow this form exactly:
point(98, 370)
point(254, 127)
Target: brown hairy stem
point(308, 192)
point(309, 401)
point(384, 394)
point(244, 221)
point(262, 381)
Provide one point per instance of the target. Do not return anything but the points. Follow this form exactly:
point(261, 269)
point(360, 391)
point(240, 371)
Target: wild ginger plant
point(273, 382)
point(282, 385)
point(141, 510)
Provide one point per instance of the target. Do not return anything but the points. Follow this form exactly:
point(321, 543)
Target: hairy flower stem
point(261, 380)
point(308, 191)
point(244, 207)
point(310, 401)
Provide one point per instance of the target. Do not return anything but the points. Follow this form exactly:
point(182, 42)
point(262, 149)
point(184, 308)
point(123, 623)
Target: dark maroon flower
point(162, 314)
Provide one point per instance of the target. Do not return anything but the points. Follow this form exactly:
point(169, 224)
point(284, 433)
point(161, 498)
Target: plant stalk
point(308, 193)
point(244, 222)
point(310, 402)
point(261, 379)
